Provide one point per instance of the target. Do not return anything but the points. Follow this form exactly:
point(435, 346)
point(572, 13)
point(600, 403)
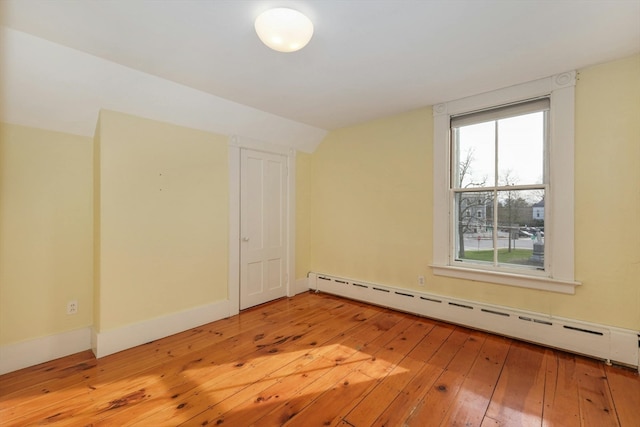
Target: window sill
point(510, 279)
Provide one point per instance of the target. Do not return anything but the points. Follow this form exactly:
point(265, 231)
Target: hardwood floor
point(319, 360)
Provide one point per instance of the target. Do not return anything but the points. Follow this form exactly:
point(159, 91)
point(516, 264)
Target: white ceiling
point(367, 58)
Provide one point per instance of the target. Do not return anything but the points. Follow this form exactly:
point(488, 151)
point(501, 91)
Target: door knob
point(245, 239)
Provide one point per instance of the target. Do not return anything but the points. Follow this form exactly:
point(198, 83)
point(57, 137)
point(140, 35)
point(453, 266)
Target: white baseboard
point(300, 286)
point(604, 342)
point(32, 352)
point(115, 340)
point(39, 350)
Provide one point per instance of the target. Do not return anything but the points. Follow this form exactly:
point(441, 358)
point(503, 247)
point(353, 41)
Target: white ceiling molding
point(50, 86)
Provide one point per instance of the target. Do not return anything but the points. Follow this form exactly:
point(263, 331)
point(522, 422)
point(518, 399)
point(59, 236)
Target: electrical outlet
point(72, 307)
point(420, 280)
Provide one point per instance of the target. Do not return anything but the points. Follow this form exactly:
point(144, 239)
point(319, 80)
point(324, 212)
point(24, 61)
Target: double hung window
point(498, 173)
point(503, 186)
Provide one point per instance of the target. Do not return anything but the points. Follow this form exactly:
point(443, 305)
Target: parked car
point(524, 233)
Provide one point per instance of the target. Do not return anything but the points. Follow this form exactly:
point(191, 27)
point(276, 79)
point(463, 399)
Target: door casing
point(236, 144)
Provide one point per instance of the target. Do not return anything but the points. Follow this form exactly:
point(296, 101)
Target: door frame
point(235, 145)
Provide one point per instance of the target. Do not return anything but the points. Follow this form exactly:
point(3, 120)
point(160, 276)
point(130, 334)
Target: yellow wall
point(371, 205)
point(96, 227)
point(303, 220)
point(608, 192)
point(164, 208)
point(45, 232)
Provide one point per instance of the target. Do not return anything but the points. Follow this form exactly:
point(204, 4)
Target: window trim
point(560, 200)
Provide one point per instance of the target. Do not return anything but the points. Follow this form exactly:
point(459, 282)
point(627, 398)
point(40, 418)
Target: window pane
point(521, 150)
point(521, 228)
point(474, 226)
point(475, 150)
point(506, 150)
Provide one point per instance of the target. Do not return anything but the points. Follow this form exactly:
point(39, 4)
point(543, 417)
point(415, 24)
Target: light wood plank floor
point(319, 360)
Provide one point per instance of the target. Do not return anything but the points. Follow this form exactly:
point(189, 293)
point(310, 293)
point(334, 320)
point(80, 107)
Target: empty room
point(320, 213)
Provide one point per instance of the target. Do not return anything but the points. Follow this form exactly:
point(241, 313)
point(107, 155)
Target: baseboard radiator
point(611, 344)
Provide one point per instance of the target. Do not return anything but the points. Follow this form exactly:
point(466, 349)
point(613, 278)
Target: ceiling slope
point(367, 59)
point(49, 86)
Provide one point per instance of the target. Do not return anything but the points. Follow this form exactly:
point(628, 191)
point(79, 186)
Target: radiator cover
point(603, 342)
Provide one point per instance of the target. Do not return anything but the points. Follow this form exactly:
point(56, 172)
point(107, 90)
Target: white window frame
point(559, 201)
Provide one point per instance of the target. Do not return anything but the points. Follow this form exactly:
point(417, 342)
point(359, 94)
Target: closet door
point(263, 245)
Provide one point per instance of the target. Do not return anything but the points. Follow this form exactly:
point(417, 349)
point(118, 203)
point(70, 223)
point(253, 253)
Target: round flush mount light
point(283, 29)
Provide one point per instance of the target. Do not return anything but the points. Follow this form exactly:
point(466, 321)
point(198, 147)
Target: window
point(498, 163)
point(503, 186)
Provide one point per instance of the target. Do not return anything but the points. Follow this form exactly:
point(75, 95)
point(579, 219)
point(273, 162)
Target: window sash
point(494, 265)
point(487, 116)
point(493, 116)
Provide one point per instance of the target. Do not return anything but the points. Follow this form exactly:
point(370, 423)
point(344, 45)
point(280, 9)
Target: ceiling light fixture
point(283, 29)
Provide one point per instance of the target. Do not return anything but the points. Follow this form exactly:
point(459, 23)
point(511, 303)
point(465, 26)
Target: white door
point(263, 239)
